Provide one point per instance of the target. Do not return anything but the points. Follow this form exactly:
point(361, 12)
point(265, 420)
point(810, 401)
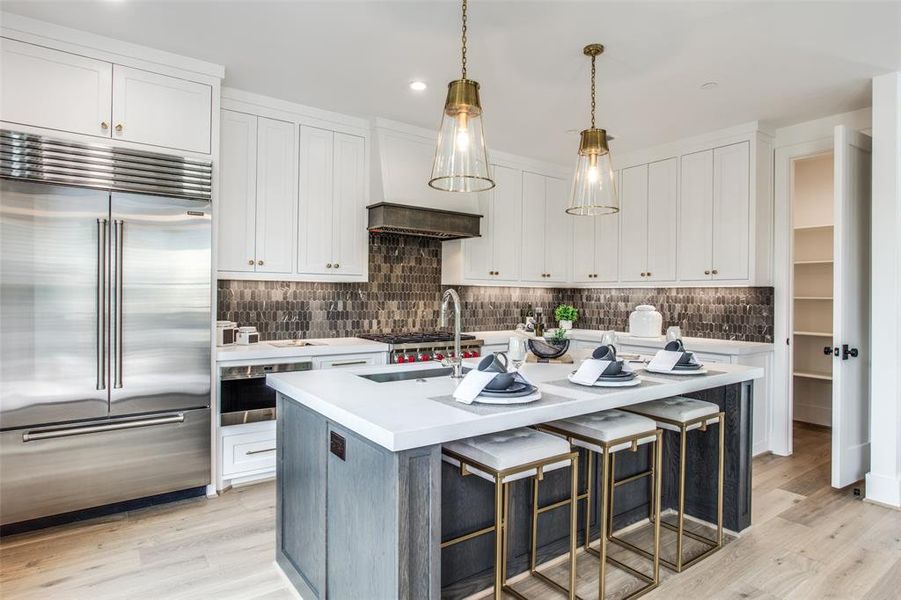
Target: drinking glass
point(608, 338)
point(516, 351)
point(673, 333)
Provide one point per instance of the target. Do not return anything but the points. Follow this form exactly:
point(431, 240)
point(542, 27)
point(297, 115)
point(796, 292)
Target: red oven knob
point(425, 357)
point(401, 358)
point(439, 356)
point(466, 354)
point(474, 353)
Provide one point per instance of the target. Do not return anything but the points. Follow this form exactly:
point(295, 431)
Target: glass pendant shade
point(461, 159)
point(594, 184)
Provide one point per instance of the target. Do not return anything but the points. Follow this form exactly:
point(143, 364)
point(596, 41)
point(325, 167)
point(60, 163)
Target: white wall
point(810, 131)
point(884, 479)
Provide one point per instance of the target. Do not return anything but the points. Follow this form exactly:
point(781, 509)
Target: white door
point(663, 196)
point(52, 89)
point(558, 231)
point(584, 232)
point(349, 238)
point(851, 309)
point(696, 217)
point(634, 223)
point(314, 237)
point(477, 252)
point(155, 109)
point(731, 211)
point(236, 210)
point(506, 223)
point(276, 196)
point(533, 227)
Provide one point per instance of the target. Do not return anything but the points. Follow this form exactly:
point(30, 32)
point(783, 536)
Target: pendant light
point(594, 186)
point(461, 159)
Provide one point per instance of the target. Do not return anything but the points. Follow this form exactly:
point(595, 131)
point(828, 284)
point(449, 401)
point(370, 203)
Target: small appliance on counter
point(645, 321)
point(248, 336)
point(226, 333)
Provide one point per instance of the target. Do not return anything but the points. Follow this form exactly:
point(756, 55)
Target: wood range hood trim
point(403, 219)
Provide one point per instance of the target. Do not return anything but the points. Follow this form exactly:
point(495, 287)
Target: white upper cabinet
point(634, 222)
point(236, 210)
point(596, 248)
point(276, 196)
point(496, 254)
point(149, 108)
point(715, 217)
point(317, 181)
point(52, 89)
point(546, 229)
point(349, 235)
point(731, 212)
point(57, 90)
point(696, 217)
point(663, 198)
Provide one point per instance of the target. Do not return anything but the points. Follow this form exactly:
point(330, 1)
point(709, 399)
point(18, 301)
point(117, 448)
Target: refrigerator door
point(52, 470)
point(53, 350)
point(160, 288)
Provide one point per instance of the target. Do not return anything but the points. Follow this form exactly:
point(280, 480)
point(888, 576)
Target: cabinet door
point(696, 217)
point(314, 238)
point(634, 223)
point(349, 235)
point(276, 196)
point(236, 210)
point(731, 208)
point(155, 109)
point(533, 227)
point(606, 248)
point(53, 89)
point(663, 195)
point(557, 231)
point(506, 223)
point(478, 254)
point(584, 234)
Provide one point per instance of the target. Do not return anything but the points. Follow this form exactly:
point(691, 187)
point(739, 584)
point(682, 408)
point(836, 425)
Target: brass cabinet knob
point(104, 125)
point(259, 262)
point(649, 273)
point(250, 262)
point(642, 274)
point(337, 265)
point(715, 272)
point(706, 272)
point(119, 127)
point(328, 266)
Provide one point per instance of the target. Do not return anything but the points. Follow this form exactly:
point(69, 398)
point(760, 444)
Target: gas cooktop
point(425, 337)
point(424, 346)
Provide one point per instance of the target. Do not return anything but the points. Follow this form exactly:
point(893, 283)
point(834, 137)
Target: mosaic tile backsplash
point(404, 294)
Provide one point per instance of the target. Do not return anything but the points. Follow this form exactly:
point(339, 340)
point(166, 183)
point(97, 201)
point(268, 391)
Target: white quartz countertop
point(405, 414)
point(730, 347)
point(319, 347)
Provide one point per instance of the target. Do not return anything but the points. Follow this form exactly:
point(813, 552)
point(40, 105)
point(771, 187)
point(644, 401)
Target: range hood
point(387, 217)
point(403, 203)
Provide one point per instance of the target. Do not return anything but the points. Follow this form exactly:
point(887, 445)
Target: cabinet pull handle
point(50, 433)
point(259, 262)
point(104, 125)
point(119, 297)
point(350, 362)
point(102, 226)
point(261, 451)
point(119, 127)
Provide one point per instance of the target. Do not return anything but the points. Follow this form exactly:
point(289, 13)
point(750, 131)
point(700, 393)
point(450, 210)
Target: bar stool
point(503, 458)
point(681, 414)
point(606, 433)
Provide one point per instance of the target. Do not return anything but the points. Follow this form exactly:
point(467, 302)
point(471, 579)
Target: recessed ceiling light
point(709, 85)
point(418, 86)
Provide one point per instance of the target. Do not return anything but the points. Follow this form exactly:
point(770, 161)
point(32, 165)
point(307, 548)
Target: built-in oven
point(244, 396)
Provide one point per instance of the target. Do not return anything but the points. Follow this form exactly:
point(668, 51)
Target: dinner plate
point(700, 371)
point(517, 387)
point(488, 397)
point(599, 383)
point(688, 367)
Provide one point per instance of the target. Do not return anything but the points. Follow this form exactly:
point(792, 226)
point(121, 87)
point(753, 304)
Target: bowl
point(548, 348)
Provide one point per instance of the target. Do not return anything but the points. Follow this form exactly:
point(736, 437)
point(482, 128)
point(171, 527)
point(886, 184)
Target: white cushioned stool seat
point(606, 426)
point(508, 449)
point(677, 408)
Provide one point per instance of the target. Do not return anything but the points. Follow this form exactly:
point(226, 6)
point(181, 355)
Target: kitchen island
point(364, 499)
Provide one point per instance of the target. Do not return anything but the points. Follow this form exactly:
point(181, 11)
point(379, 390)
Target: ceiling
point(780, 62)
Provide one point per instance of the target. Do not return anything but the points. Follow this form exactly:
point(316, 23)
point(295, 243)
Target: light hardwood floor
point(808, 541)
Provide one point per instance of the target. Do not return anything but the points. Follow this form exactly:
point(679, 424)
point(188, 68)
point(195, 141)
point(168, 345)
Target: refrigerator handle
point(46, 434)
point(102, 228)
point(117, 289)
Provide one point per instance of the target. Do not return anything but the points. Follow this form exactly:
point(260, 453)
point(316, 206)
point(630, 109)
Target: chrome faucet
point(456, 361)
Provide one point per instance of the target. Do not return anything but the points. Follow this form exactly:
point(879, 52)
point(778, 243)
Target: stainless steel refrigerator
point(105, 325)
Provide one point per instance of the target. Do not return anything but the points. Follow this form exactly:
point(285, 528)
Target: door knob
point(846, 352)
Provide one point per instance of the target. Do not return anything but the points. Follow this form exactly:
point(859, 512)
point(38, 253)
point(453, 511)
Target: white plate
point(513, 400)
point(630, 383)
point(700, 371)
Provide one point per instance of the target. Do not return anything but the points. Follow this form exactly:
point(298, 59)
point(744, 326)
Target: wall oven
point(244, 396)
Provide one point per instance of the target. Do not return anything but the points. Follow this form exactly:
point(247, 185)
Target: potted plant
point(565, 315)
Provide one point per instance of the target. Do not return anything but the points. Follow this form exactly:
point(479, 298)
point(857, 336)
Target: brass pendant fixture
point(594, 186)
point(461, 158)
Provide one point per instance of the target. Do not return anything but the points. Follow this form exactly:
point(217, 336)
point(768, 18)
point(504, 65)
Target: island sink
point(408, 375)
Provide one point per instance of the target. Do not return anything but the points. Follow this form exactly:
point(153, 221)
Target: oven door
point(244, 396)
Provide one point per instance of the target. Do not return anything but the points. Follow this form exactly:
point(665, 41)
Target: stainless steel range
point(426, 346)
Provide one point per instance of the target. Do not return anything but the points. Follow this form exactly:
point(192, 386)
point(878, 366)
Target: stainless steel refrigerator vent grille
point(46, 160)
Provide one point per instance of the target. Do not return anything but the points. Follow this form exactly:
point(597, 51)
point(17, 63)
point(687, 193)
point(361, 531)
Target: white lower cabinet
point(248, 450)
point(350, 361)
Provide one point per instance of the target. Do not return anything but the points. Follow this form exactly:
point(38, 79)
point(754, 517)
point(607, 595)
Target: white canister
point(247, 336)
point(645, 321)
point(226, 333)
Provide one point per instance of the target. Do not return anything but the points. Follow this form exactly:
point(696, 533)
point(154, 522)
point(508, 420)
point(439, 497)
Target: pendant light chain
point(593, 86)
point(464, 39)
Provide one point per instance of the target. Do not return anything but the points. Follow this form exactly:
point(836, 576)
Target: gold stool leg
point(588, 496)
point(657, 458)
point(602, 520)
point(681, 526)
point(506, 536)
point(611, 478)
point(533, 554)
point(719, 482)
point(573, 518)
point(498, 537)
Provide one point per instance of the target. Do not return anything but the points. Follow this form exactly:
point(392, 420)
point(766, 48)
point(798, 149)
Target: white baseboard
point(883, 490)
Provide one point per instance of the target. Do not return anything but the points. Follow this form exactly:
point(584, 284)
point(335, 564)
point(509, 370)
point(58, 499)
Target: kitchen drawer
point(248, 452)
point(349, 361)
